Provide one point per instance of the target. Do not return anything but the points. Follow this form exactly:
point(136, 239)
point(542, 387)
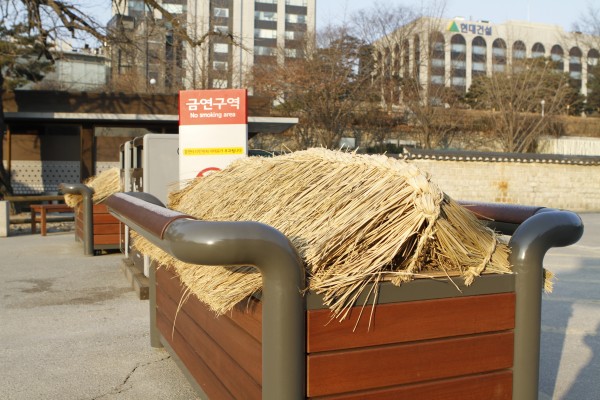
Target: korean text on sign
point(476, 29)
point(213, 103)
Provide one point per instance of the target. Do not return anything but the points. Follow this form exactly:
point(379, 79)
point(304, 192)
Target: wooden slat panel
point(223, 366)
point(100, 209)
point(346, 371)
point(213, 388)
point(100, 215)
point(104, 219)
point(492, 386)
point(410, 321)
point(238, 343)
point(106, 229)
point(248, 316)
point(106, 239)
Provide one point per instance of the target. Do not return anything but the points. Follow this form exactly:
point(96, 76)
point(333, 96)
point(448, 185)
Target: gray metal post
point(530, 242)
point(154, 334)
point(88, 213)
point(4, 218)
point(238, 243)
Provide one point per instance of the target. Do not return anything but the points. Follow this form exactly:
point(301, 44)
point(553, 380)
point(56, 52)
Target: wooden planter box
point(106, 228)
point(451, 346)
point(427, 339)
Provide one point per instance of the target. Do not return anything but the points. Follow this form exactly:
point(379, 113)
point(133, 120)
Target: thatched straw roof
point(104, 184)
point(355, 220)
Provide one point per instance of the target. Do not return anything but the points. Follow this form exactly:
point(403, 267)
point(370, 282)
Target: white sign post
point(213, 130)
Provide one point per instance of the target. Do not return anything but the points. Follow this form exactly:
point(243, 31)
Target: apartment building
point(233, 35)
point(452, 52)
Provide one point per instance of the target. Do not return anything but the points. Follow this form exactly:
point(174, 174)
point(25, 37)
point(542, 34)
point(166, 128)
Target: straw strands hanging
point(104, 184)
point(355, 220)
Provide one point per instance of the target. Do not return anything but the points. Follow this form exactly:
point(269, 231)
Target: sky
point(558, 12)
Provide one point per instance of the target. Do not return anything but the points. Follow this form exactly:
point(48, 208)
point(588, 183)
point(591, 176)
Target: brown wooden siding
point(106, 227)
point(447, 349)
point(490, 386)
point(409, 321)
point(381, 366)
point(233, 353)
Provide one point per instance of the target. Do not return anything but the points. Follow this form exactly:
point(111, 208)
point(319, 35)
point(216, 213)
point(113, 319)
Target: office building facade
point(452, 52)
point(233, 35)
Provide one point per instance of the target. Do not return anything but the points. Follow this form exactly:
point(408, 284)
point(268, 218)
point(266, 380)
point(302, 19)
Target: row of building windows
point(272, 34)
point(479, 54)
point(271, 16)
point(298, 3)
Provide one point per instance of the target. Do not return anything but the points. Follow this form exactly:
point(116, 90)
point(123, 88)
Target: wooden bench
point(43, 209)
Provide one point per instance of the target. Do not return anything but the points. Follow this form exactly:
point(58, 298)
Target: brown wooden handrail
point(499, 212)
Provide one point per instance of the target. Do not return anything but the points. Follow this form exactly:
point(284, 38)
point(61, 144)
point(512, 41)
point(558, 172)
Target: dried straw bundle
point(104, 184)
point(355, 220)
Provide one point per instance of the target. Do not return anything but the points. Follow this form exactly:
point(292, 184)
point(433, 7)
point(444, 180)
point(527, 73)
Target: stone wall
point(570, 186)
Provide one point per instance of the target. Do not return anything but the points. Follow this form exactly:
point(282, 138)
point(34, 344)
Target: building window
point(459, 81)
point(221, 12)
point(291, 53)
point(478, 56)
point(499, 55)
point(458, 60)
point(136, 5)
point(417, 57)
point(265, 16)
point(592, 58)
point(387, 63)
point(459, 64)
point(295, 19)
point(538, 50)
point(264, 51)
point(437, 45)
point(220, 65)
point(437, 64)
point(266, 1)
point(557, 55)
point(265, 33)
point(519, 51)
point(219, 83)
point(478, 67)
point(479, 46)
point(221, 28)
point(299, 3)
point(405, 58)
point(575, 55)
point(458, 44)
point(221, 48)
point(294, 35)
point(396, 57)
point(437, 79)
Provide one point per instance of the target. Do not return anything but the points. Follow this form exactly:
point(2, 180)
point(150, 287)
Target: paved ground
point(71, 328)
point(570, 361)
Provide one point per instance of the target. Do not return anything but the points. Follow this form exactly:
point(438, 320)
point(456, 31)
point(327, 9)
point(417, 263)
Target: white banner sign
point(213, 130)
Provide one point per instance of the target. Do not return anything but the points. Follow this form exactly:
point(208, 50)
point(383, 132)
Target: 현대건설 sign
point(213, 130)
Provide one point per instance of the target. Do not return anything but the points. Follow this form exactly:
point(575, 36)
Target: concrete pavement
point(71, 327)
point(570, 341)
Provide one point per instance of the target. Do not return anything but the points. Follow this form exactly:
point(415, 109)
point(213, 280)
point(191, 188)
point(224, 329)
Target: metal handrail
point(536, 230)
point(545, 229)
point(237, 243)
point(88, 212)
